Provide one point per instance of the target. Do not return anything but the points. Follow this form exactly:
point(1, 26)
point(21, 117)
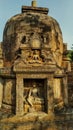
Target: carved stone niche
point(34, 92)
point(33, 95)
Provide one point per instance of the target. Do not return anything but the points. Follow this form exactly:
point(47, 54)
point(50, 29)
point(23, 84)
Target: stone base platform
point(35, 121)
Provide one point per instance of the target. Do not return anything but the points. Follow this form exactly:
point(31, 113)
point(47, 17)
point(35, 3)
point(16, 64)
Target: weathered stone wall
point(9, 92)
point(70, 86)
point(1, 91)
point(33, 46)
point(1, 56)
point(1, 80)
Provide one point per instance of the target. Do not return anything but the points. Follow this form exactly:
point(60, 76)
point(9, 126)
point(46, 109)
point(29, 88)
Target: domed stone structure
point(35, 64)
point(32, 25)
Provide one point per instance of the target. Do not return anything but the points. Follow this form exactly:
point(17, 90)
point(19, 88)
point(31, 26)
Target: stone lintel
point(34, 69)
point(6, 72)
point(12, 76)
point(35, 9)
point(59, 75)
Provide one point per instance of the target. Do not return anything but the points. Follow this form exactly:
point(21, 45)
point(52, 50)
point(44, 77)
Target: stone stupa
point(34, 66)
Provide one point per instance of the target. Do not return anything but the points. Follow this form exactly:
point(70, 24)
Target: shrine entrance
point(34, 95)
point(34, 91)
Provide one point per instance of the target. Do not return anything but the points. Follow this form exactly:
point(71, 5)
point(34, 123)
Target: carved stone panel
point(9, 94)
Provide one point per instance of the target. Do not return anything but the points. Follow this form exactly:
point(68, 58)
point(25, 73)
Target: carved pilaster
point(49, 96)
point(19, 96)
point(1, 91)
point(57, 88)
point(65, 90)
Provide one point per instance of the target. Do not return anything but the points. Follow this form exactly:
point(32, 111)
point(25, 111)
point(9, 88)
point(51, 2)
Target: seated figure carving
point(33, 97)
point(35, 57)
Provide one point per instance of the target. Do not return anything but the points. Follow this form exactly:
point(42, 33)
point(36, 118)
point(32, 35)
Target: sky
point(61, 10)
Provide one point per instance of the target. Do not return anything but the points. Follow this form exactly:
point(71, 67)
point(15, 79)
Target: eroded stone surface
point(34, 52)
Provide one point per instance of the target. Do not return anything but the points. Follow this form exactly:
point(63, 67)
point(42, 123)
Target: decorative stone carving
point(32, 96)
point(35, 41)
point(29, 57)
point(47, 56)
point(35, 57)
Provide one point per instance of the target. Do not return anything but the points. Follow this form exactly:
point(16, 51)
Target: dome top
point(33, 25)
point(34, 9)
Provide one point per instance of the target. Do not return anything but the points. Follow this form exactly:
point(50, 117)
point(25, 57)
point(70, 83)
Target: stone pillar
point(57, 88)
point(1, 91)
point(19, 96)
point(49, 96)
point(34, 3)
point(65, 90)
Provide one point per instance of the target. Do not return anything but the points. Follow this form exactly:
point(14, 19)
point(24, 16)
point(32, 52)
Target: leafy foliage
point(70, 55)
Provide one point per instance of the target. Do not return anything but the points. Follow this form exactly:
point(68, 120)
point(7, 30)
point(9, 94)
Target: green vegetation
point(70, 55)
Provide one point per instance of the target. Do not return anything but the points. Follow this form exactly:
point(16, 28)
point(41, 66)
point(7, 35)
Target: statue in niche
point(33, 96)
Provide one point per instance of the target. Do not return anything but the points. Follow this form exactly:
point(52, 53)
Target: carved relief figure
point(35, 57)
point(47, 56)
point(33, 96)
point(22, 56)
